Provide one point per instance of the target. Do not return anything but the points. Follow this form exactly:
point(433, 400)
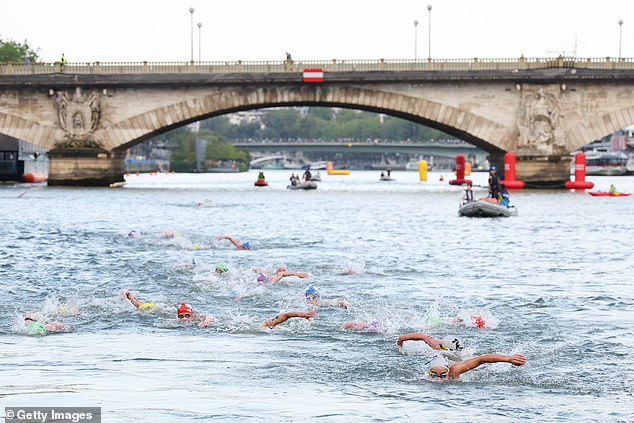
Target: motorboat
point(386, 178)
point(606, 163)
point(303, 185)
point(486, 207)
point(261, 183)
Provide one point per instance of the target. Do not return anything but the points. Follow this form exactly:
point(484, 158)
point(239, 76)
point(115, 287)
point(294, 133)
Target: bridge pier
point(543, 171)
point(84, 167)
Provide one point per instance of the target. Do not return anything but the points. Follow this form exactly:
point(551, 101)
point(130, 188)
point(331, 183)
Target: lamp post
point(415, 39)
point(199, 25)
point(620, 28)
point(429, 35)
point(191, 27)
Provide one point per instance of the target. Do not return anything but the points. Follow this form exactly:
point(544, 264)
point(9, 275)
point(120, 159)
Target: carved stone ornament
point(540, 123)
point(79, 117)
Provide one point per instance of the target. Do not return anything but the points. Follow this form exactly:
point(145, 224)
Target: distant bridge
point(88, 114)
point(421, 148)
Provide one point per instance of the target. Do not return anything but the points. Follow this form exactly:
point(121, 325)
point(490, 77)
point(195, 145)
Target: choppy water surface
point(555, 282)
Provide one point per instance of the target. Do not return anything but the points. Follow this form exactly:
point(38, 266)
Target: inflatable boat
point(485, 207)
point(303, 185)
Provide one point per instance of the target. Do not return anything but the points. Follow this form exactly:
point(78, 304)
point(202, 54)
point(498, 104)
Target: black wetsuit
point(494, 185)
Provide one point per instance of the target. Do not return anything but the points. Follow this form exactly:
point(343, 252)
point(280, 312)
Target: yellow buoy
point(422, 170)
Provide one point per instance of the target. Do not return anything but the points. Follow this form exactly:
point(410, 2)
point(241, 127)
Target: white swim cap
point(439, 360)
point(453, 343)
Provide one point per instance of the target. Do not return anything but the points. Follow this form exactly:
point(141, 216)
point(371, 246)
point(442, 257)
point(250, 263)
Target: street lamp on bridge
point(429, 34)
point(415, 39)
point(199, 25)
point(620, 28)
point(191, 28)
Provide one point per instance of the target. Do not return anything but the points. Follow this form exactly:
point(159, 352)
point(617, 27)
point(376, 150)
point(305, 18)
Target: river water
point(554, 283)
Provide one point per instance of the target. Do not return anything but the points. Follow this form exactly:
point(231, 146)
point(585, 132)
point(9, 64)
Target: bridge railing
point(335, 65)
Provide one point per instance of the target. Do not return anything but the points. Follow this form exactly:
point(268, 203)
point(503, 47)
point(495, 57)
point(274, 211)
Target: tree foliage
point(323, 123)
point(12, 51)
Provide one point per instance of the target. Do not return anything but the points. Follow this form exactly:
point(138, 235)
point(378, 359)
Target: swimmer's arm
point(205, 320)
point(335, 303)
point(464, 366)
point(282, 317)
point(55, 327)
point(432, 342)
point(132, 299)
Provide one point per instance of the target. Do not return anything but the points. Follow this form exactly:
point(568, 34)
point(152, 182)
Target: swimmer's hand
point(206, 321)
point(517, 360)
point(399, 342)
point(308, 314)
point(124, 293)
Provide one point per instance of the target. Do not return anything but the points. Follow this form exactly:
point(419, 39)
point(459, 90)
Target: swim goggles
point(184, 316)
point(436, 375)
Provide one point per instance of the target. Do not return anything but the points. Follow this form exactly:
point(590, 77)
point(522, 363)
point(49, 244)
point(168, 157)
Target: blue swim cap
point(245, 244)
point(262, 277)
point(312, 294)
point(493, 168)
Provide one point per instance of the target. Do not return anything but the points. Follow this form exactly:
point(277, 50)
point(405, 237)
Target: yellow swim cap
point(147, 306)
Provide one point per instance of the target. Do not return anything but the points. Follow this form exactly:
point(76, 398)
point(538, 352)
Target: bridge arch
point(477, 130)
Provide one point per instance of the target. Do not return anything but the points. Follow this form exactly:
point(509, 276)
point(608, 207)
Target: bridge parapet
point(334, 65)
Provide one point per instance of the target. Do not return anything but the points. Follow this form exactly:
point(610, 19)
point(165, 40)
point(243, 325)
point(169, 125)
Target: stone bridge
point(87, 115)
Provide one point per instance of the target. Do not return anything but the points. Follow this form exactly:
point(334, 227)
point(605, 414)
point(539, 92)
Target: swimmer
point(441, 370)
point(313, 297)
point(221, 268)
point(134, 235)
point(140, 305)
point(34, 327)
point(186, 314)
point(282, 317)
point(280, 273)
point(448, 343)
point(239, 245)
point(359, 325)
point(186, 266)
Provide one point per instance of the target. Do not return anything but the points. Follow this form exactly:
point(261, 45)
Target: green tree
point(12, 51)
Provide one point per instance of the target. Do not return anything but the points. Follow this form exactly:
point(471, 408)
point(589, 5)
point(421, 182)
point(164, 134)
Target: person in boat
point(280, 273)
point(314, 298)
point(504, 195)
point(389, 172)
point(307, 175)
point(282, 317)
point(261, 176)
point(612, 189)
point(35, 327)
point(294, 179)
point(469, 192)
point(440, 369)
point(239, 245)
point(494, 183)
point(382, 175)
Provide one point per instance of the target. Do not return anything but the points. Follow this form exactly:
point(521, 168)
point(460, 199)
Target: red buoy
point(460, 166)
point(509, 181)
point(34, 177)
point(580, 174)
